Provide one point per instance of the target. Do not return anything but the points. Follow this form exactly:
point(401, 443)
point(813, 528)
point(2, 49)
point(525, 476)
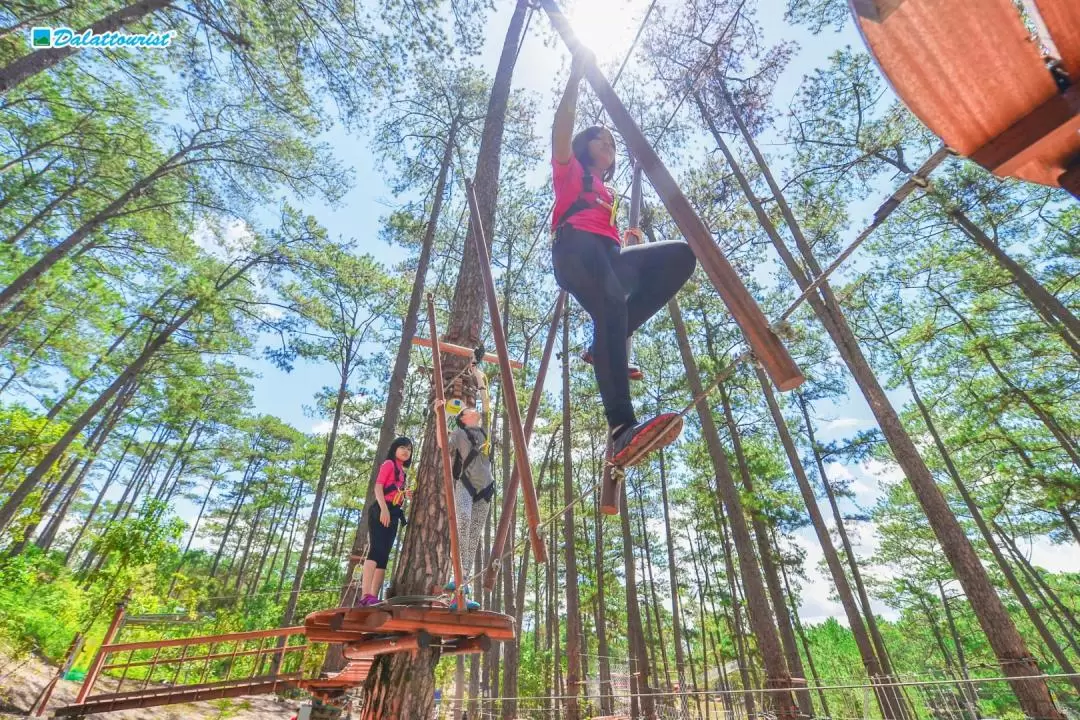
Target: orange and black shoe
point(633, 444)
point(632, 371)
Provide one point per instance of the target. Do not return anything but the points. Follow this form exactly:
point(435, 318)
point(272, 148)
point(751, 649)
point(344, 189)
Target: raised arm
point(562, 132)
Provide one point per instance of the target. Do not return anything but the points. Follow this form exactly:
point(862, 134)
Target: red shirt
point(569, 180)
point(392, 479)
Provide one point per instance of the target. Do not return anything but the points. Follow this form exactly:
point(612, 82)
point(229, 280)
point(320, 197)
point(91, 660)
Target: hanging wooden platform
point(970, 70)
point(361, 629)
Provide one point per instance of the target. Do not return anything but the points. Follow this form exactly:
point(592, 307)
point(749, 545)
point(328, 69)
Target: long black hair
point(580, 148)
point(400, 442)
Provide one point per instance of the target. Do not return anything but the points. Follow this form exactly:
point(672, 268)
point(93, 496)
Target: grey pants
point(471, 518)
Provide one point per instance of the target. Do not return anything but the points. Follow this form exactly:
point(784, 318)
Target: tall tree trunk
point(888, 696)
point(602, 648)
point(573, 599)
point(676, 620)
point(1061, 613)
point(735, 621)
point(704, 632)
point(761, 620)
point(802, 633)
point(639, 659)
point(30, 482)
point(395, 393)
point(25, 67)
point(967, 692)
point(1012, 653)
point(768, 565)
point(654, 603)
point(316, 504)
point(991, 543)
point(402, 684)
point(1068, 325)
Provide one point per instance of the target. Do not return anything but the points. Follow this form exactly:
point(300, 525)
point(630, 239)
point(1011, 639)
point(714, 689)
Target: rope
point(741, 691)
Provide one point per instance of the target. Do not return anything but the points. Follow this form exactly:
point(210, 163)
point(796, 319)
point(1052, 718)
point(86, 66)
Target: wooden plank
point(463, 351)
point(1039, 142)
point(443, 441)
point(1062, 21)
point(173, 696)
point(967, 69)
point(205, 639)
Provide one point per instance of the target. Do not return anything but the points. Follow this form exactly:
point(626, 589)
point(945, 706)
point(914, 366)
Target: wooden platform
point(971, 72)
point(387, 629)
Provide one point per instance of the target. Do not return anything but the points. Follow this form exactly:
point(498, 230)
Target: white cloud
point(844, 423)
point(224, 238)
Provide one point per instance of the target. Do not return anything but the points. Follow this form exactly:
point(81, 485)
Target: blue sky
point(541, 69)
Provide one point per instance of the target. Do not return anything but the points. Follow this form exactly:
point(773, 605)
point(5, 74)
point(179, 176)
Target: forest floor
point(21, 680)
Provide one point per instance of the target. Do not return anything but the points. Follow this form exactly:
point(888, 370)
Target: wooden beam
point(421, 640)
point(176, 695)
point(509, 393)
point(1010, 150)
point(463, 351)
point(740, 303)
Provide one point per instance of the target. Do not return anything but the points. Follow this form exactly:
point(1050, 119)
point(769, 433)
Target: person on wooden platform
point(474, 486)
point(385, 515)
point(621, 287)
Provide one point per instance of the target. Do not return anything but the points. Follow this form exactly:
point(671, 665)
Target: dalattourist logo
point(64, 37)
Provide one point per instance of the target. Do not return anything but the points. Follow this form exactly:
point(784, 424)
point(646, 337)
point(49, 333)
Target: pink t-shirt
point(569, 180)
point(392, 478)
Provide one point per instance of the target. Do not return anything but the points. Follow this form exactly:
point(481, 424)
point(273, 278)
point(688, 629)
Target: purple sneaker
point(369, 600)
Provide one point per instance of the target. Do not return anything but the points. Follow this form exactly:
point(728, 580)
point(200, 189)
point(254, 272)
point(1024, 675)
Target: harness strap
point(581, 203)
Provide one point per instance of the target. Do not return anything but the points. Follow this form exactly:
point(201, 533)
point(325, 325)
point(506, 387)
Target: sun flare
point(606, 27)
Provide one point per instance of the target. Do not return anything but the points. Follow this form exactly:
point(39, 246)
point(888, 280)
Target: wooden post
point(99, 657)
point(42, 700)
point(763, 341)
point(444, 447)
point(510, 493)
point(509, 393)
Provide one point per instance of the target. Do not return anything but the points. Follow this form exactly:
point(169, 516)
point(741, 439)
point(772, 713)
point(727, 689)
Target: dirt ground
point(21, 680)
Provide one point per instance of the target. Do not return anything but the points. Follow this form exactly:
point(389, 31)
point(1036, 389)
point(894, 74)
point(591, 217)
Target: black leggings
point(382, 538)
point(620, 290)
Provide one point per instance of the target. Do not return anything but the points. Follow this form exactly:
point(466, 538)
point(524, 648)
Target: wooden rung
point(470, 646)
point(463, 351)
point(370, 648)
point(611, 487)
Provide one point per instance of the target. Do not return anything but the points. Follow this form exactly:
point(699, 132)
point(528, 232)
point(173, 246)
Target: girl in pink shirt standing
point(385, 515)
point(620, 287)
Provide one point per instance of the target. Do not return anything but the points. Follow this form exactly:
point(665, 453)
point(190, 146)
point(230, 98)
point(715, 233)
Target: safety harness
point(460, 466)
point(586, 199)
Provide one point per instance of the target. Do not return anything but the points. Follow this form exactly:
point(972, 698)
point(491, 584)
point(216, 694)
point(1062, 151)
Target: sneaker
point(632, 371)
point(470, 605)
point(369, 600)
point(633, 444)
point(450, 586)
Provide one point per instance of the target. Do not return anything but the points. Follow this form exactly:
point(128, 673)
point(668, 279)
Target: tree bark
point(761, 621)
point(768, 565)
point(129, 374)
point(1041, 298)
point(1009, 647)
point(573, 599)
point(639, 658)
point(676, 610)
point(25, 67)
point(602, 648)
point(316, 504)
point(888, 696)
point(402, 684)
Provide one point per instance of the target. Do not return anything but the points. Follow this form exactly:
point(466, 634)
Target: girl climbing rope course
point(620, 287)
point(385, 515)
point(474, 486)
